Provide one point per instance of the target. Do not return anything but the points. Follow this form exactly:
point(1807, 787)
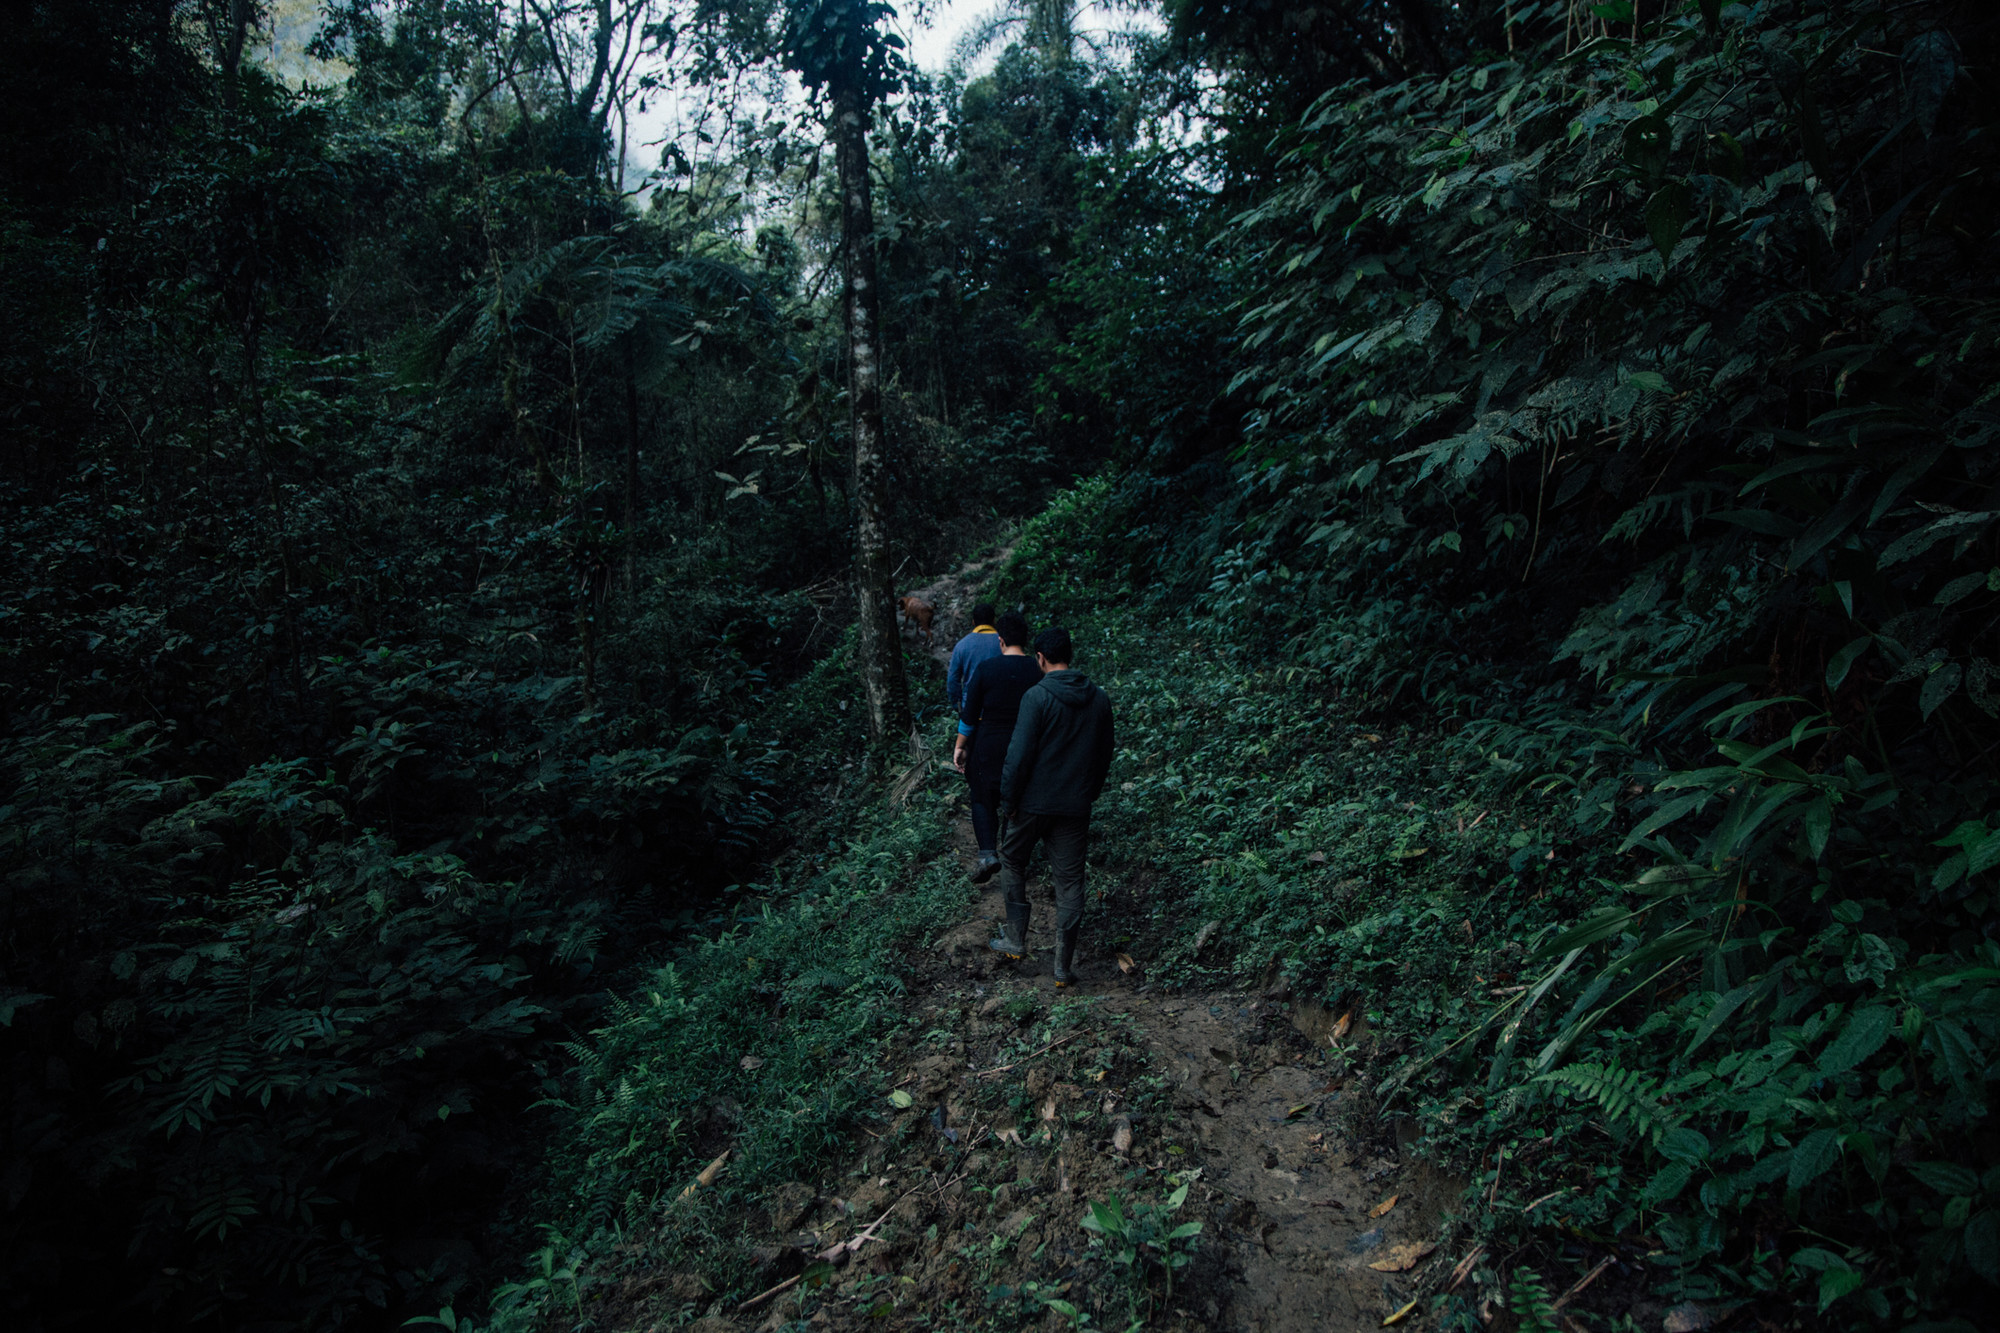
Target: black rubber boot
point(988, 867)
point(1065, 955)
point(1013, 941)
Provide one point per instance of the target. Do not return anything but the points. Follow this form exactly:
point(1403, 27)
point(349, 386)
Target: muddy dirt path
point(1014, 1107)
point(1294, 1225)
point(1292, 1208)
point(952, 596)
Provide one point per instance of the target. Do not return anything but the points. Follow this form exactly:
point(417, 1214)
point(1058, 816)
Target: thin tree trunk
point(631, 466)
point(881, 643)
point(228, 39)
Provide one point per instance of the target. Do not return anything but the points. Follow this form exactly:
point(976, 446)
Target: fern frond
point(1626, 1096)
point(1528, 1297)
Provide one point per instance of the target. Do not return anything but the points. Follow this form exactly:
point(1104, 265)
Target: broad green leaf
point(15, 1001)
point(1810, 1160)
point(1864, 1035)
point(1749, 993)
point(1947, 1178)
point(1837, 1282)
point(1982, 1244)
point(1939, 686)
point(1664, 816)
point(1600, 925)
point(1960, 588)
point(1684, 1145)
point(1648, 141)
point(1817, 824)
point(1666, 1185)
point(1667, 217)
point(1842, 661)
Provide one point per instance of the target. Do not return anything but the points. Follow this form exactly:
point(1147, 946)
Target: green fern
point(1626, 1096)
point(1528, 1297)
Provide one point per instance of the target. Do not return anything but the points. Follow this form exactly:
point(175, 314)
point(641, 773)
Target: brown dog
point(916, 611)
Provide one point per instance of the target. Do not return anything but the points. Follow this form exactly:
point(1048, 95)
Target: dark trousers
point(982, 777)
point(983, 831)
point(1065, 836)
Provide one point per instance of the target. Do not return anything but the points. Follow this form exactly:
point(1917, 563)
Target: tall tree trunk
point(631, 466)
point(227, 36)
point(881, 642)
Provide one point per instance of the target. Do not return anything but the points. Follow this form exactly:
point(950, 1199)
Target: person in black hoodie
point(985, 724)
point(1056, 765)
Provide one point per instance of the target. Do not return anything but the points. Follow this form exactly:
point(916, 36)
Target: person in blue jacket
point(985, 725)
point(968, 653)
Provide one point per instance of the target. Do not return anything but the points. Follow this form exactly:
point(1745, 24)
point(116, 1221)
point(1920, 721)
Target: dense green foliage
point(404, 528)
point(425, 559)
point(1626, 409)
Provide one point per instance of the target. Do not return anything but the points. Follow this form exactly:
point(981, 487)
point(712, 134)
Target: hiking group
point(1034, 743)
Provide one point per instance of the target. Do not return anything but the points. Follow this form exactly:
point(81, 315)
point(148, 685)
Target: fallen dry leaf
point(1340, 1028)
point(1317, 858)
point(1401, 1258)
point(752, 1062)
point(1400, 1315)
point(1384, 1206)
point(1125, 963)
point(1012, 1136)
point(708, 1174)
point(1300, 1109)
point(1121, 1136)
point(1049, 1108)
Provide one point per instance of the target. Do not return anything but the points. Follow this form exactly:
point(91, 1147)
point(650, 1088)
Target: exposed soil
point(952, 597)
point(1020, 1096)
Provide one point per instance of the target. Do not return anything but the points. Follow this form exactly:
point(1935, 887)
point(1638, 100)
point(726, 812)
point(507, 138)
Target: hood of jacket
point(1071, 688)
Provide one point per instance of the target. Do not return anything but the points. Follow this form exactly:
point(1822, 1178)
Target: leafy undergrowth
point(1747, 1098)
point(1641, 1130)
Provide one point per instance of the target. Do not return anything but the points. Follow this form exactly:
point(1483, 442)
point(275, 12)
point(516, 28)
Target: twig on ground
point(1464, 1268)
point(1001, 1069)
point(1581, 1283)
point(869, 1234)
point(763, 1296)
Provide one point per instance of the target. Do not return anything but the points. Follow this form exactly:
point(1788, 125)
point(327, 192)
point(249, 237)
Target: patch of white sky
point(933, 33)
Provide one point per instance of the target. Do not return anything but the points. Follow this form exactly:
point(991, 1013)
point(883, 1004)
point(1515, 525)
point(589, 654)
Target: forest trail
point(1130, 1092)
point(1286, 1192)
point(1290, 1228)
point(952, 595)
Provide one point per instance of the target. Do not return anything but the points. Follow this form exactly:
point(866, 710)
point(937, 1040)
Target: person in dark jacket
point(985, 724)
point(1056, 765)
point(982, 645)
